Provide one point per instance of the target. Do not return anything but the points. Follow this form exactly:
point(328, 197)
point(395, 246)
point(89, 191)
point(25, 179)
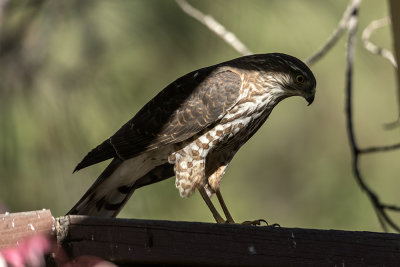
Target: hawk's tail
point(106, 197)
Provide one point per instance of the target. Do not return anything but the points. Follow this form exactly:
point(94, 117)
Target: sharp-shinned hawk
point(192, 129)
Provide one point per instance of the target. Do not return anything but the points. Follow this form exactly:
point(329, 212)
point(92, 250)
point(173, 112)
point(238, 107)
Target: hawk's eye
point(300, 79)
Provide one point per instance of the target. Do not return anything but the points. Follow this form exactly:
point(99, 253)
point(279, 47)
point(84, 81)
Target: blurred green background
point(72, 72)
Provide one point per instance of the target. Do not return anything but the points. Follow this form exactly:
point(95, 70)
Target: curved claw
point(256, 222)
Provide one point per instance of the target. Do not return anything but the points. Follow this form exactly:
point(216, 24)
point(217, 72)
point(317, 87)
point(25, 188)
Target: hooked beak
point(310, 98)
point(309, 95)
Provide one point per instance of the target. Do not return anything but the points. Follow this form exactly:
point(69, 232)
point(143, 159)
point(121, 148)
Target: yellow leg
point(228, 215)
point(210, 205)
point(224, 208)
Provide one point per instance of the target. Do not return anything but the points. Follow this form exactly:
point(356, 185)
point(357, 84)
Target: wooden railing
point(131, 241)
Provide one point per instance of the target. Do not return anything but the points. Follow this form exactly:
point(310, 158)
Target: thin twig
point(379, 148)
point(379, 208)
point(352, 27)
point(392, 207)
point(381, 211)
point(380, 219)
point(335, 35)
point(214, 26)
point(371, 47)
point(393, 124)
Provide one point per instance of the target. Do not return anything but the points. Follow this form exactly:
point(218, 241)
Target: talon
point(264, 221)
point(257, 222)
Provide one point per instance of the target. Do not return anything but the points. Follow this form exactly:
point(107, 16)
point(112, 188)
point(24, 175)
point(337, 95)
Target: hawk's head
point(286, 75)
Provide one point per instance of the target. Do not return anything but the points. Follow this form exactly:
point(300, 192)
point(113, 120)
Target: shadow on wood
point(129, 241)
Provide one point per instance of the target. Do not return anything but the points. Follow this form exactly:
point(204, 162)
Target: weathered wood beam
point(130, 241)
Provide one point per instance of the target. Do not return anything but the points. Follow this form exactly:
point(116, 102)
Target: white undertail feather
point(126, 174)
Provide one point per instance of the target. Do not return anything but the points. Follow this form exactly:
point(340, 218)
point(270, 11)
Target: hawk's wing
point(183, 109)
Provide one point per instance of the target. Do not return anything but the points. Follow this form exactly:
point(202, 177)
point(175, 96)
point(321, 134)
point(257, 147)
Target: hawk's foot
point(258, 222)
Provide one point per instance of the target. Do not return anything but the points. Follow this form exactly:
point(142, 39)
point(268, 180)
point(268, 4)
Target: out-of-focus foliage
point(72, 72)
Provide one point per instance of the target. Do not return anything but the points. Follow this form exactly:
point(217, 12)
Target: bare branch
point(392, 207)
point(352, 28)
point(379, 207)
point(335, 35)
point(392, 125)
point(379, 148)
point(214, 26)
point(371, 47)
point(380, 219)
point(385, 220)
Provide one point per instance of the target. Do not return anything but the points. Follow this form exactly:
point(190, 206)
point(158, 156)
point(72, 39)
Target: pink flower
point(29, 252)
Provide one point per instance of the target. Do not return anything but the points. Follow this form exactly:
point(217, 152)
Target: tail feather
point(105, 200)
point(88, 204)
point(100, 153)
